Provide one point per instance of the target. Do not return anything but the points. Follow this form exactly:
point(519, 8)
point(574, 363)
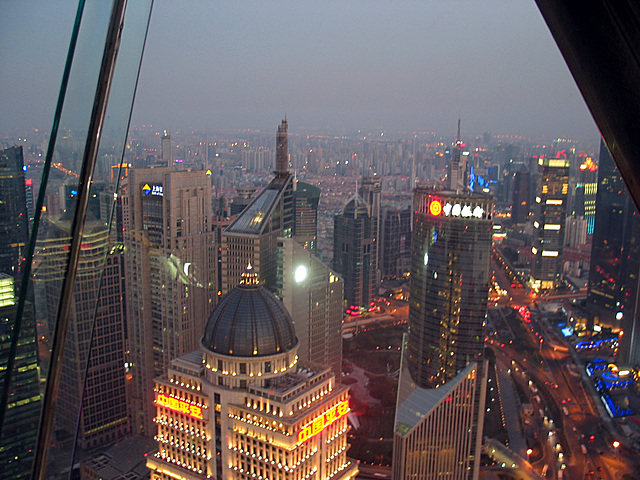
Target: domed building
point(244, 407)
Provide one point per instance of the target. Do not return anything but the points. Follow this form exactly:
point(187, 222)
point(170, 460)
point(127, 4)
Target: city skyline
point(412, 66)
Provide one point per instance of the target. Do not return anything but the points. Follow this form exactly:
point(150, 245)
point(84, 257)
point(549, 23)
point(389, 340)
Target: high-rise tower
point(253, 236)
point(104, 414)
point(170, 276)
point(443, 376)
point(612, 296)
point(354, 251)
point(550, 212)
point(14, 220)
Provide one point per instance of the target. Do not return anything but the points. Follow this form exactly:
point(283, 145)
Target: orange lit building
point(244, 407)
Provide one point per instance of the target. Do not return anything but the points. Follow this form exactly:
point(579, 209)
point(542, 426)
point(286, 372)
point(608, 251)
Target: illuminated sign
point(323, 421)
point(157, 190)
point(179, 406)
point(435, 208)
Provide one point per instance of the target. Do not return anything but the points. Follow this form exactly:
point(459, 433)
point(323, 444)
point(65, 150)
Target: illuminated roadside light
point(435, 208)
point(534, 250)
point(619, 316)
point(426, 258)
point(616, 444)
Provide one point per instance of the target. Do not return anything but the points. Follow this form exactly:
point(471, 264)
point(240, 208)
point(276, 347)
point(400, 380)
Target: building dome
point(249, 321)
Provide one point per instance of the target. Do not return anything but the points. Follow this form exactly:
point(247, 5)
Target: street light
point(616, 444)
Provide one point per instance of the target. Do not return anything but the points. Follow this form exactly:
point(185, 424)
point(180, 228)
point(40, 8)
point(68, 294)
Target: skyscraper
point(305, 228)
point(170, 276)
point(371, 192)
point(395, 242)
point(449, 283)
point(244, 406)
point(612, 296)
point(549, 216)
point(14, 219)
point(313, 293)
point(443, 357)
point(521, 197)
point(253, 235)
point(104, 416)
point(354, 252)
point(20, 427)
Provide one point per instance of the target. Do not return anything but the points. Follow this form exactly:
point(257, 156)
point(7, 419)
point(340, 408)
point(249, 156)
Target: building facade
point(104, 417)
point(244, 406)
point(314, 293)
point(449, 283)
point(431, 435)
point(354, 252)
point(14, 218)
point(550, 212)
point(20, 427)
point(171, 263)
point(440, 407)
point(253, 236)
point(305, 228)
point(612, 295)
point(395, 242)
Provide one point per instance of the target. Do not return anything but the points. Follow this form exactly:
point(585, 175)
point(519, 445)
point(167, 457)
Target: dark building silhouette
point(305, 227)
point(612, 296)
point(354, 252)
point(395, 242)
point(14, 219)
point(521, 197)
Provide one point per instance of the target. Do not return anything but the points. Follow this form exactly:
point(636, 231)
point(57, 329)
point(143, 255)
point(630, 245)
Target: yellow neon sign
point(179, 406)
point(323, 421)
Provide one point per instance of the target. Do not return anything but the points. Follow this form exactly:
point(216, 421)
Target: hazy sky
point(411, 65)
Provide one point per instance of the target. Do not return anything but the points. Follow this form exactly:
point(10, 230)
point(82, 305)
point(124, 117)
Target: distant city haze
point(401, 65)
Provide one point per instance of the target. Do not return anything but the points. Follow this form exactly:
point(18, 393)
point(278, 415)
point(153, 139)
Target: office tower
point(371, 192)
point(244, 406)
point(612, 295)
point(354, 252)
point(253, 236)
point(14, 220)
point(166, 150)
point(104, 412)
point(170, 276)
point(550, 212)
point(395, 242)
point(521, 197)
point(314, 294)
point(305, 207)
point(28, 183)
point(431, 437)
point(443, 366)
point(449, 283)
point(20, 427)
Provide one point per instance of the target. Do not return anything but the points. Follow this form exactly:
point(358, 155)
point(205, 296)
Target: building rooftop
point(248, 322)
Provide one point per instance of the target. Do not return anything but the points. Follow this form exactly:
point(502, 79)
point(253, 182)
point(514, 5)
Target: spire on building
point(457, 172)
point(282, 149)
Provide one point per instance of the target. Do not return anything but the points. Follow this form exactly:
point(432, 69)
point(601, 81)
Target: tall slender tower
point(170, 276)
point(253, 236)
point(442, 361)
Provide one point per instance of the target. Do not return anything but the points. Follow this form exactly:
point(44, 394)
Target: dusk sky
point(346, 64)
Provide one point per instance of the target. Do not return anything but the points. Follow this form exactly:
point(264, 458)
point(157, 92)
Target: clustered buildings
point(218, 328)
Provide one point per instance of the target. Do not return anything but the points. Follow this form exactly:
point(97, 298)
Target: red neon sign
point(179, 406)
point(435, 208)
point(323, 421)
